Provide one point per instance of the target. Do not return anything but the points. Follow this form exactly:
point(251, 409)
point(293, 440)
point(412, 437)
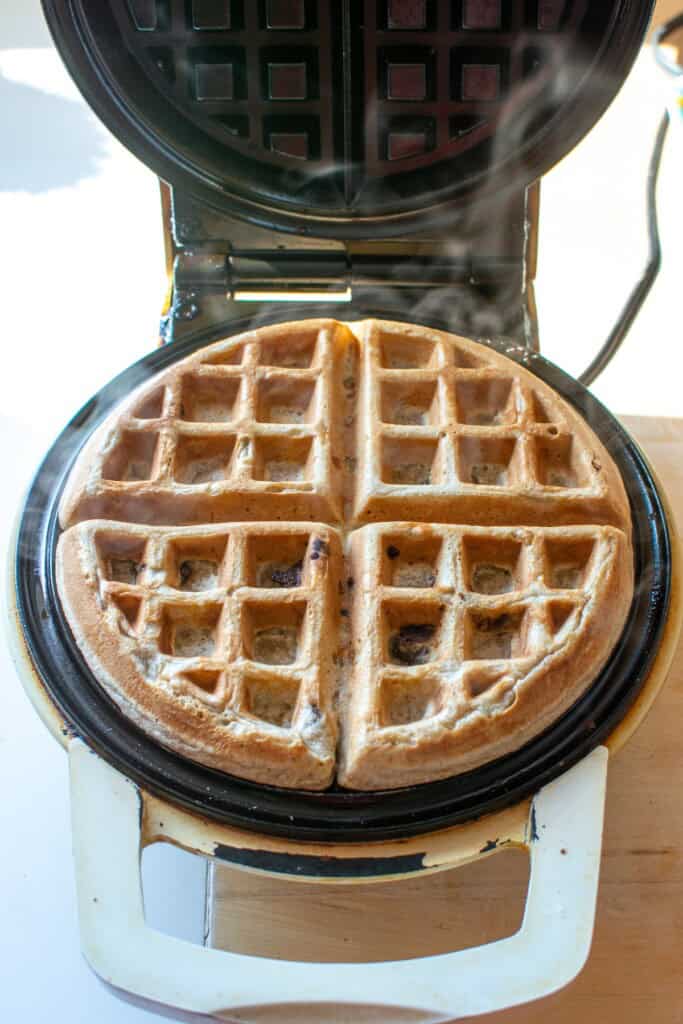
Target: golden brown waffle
point(397, 537)
point(215, 638)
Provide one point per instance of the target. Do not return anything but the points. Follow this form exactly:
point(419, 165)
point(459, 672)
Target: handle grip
point(549, 950)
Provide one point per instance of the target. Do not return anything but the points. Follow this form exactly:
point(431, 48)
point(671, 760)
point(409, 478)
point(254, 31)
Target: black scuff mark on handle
point(490, 846)
point(321, 867)
point(533, 825)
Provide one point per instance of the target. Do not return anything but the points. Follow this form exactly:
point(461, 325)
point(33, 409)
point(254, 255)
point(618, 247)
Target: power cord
point(644, 285)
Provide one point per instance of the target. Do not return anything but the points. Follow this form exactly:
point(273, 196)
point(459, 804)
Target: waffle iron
point(352, 158)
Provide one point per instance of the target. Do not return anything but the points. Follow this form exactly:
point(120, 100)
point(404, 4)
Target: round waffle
point(368, 551)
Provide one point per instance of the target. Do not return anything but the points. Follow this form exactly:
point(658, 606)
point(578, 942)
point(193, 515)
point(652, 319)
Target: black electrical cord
point(644, 285)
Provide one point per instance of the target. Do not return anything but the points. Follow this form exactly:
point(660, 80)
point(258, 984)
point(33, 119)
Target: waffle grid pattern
point(258, 74)
point(458, 614)
point(234, 629)
point(252, 424)
point(437, 74)
point(476, 529)
point(453, 427)
point(447, 70)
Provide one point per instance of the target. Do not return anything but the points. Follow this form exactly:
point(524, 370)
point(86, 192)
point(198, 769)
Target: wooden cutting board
point(635, 971)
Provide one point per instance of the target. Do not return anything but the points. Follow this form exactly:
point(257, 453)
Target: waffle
point(367, 552)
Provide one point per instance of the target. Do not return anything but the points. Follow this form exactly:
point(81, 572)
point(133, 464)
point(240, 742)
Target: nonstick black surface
point(348, 117)
point(335, 815)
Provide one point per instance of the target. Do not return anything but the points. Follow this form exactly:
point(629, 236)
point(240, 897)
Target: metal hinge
point(266, 276)
point(326, 276)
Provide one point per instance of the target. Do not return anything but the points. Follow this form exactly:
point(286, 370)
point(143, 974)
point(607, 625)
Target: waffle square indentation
point(493, 565)
point(488, 461)
point(411, 560)
point(406, 81)
point(208, 399)
point(285, 14)
point(294, 352)
point(406, 14)
point(480, 82)
point(482, 14)
point(196, 564)
point(271, 700)
point(412, 634)
point(567, 563)
point(403, 352)
point(411, 403)
point(145, 14)
point(412, 461)
point(492, 636)
point(403, 143)
point(556, 462)
point(211, 14)
point(485, 402)
point(121, 556)
point(478, 74)
point(189, 631)
point(404, 701)
point(133, 457)
point(203, 460)
point(283, 459)
point(272, 633)
point(276, 561)
point(287, 81)
point(214, 81)
point(283, 400)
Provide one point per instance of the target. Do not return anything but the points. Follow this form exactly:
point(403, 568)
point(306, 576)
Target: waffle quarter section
point(216, 640)
point(470, 640)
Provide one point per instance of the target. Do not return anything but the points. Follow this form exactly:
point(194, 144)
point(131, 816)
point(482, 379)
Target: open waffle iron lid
point(335, 814)
point(348, 118)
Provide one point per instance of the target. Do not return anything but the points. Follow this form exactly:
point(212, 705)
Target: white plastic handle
point(546, 953)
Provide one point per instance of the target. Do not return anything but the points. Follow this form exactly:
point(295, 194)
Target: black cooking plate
point(335, 815)
point(348, 118)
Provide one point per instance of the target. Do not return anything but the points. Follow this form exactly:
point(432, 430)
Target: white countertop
point(81, 267)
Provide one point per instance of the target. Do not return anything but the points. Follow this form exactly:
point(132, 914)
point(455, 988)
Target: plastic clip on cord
point(644, 285)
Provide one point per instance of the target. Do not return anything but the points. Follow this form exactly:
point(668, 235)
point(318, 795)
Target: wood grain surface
point(635, 971)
